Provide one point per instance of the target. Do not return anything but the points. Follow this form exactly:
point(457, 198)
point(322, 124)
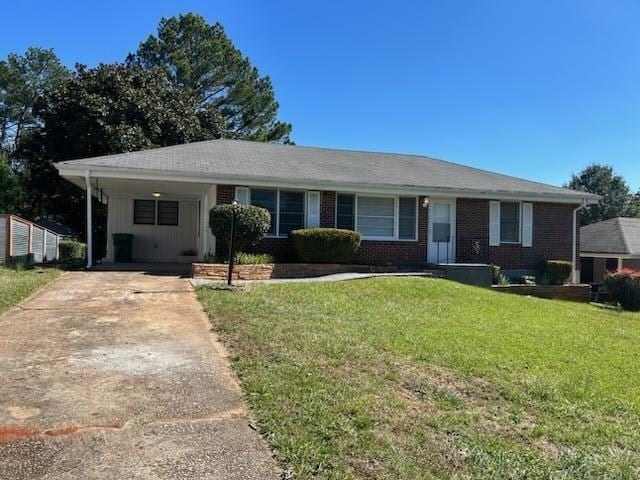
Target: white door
point(442, 231)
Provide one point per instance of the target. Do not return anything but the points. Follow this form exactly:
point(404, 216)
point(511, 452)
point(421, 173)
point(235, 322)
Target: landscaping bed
point(574, 292)
point(219, 271)
point(417, 378)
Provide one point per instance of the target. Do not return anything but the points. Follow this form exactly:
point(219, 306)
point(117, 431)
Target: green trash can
point(122, 247)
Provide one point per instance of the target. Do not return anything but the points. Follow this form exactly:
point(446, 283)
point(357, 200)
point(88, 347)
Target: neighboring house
point(609, 245)
point(64, 232)
point(411, 210)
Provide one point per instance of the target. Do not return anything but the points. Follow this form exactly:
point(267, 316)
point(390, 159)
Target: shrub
point(528, 280)
point(252, 223)
point(503, 280)
point(623, 287)
point(72, 251)
point(330, 245)
point(242, 258)
point(556, 272)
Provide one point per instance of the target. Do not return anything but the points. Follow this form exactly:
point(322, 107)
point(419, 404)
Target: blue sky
point(533, 89)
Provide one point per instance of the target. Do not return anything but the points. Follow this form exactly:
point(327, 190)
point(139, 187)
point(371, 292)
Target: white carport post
point(87, 179)
point(619, 263)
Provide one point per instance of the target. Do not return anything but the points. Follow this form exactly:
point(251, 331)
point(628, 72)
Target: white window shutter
point(527, 224)
point(242, 195)
point(494, 224)
point(313, 209)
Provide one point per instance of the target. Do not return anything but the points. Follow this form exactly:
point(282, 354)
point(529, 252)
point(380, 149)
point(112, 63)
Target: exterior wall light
point(425, 202)
point(156, 194)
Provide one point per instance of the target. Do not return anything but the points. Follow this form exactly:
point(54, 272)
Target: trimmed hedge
point(624, 288)
point(325, 245)
point(71, 250)
point(556, 272)
point(252, 224)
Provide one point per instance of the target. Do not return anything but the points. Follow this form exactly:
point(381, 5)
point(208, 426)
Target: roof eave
point(75, 169)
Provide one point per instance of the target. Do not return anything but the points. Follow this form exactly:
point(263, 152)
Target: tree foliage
point(200, 58)
point(23, 79)
point(617, 199)
point(104, 110)
point(10, 191)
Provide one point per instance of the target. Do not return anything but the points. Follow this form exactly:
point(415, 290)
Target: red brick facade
point(552, 224)
point(552, 236)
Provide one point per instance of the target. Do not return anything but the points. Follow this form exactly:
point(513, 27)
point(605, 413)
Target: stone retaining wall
point(576, 293)
point(218, 271)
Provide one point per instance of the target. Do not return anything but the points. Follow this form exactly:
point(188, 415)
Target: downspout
point(87, 179)
point(574, 274)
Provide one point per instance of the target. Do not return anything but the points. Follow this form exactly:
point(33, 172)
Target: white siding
point(153, 242)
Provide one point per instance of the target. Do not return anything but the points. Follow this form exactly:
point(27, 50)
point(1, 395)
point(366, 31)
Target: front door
point(442, 231)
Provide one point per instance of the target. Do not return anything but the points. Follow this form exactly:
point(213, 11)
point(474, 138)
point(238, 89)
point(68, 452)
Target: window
point(345, 212)
point(291, 212)
point(407, 218)
point(509, 222)
point(144, 212)
point(266, 199)
point(167, 213)
point(285, 207)
point(375, 216)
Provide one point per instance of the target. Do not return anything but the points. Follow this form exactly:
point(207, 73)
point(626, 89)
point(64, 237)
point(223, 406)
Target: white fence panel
point(37, 244)
point(19, 238)
point(51, 250)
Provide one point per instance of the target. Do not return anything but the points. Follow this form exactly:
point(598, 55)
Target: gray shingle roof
point(237, 159)
point(618, 235)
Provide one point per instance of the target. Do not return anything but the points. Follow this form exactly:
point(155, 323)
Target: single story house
point(607, 246)
point(410, 210)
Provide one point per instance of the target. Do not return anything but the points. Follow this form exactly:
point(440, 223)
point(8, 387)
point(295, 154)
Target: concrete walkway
point(116, 375)
point(336, 277)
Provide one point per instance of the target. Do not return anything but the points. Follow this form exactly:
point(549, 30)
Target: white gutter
point(575, 273)
point(87, 179)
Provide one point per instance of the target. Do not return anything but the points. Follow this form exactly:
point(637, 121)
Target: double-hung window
point(509, 222)
point(378, 217)
point(286, 207)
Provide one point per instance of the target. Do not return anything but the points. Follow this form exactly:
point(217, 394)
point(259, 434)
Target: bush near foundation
point(325, 245)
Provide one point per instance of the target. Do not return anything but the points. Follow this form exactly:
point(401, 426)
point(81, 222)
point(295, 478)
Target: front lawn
point(407, 378)
point(16, 285)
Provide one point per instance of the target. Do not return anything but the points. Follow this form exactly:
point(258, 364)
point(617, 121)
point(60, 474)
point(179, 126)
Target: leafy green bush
point(529, 280)
point(71, 251)
point(556, 272)
point(623, 287)
point(325, 245)
point(242, 258)
point(252, 223)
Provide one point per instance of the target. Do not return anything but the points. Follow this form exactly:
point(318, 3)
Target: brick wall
point(552, 237)
point(552, 234)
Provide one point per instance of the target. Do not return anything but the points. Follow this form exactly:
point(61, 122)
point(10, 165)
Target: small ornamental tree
point(252, 224)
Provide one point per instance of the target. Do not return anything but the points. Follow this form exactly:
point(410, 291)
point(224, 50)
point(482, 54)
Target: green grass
point(17, 284)
point(409, 378)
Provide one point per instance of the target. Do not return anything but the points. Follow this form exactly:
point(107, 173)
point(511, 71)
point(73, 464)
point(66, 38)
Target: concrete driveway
point(116, 375)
